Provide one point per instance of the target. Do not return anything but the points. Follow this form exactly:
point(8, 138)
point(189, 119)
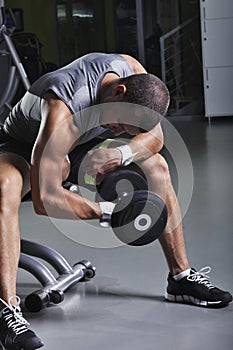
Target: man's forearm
point(146, 144)
point(63, 204)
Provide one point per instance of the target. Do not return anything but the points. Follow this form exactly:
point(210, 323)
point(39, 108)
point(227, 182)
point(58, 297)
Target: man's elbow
point(39, 205)
point(39, 209)
point(160, 146)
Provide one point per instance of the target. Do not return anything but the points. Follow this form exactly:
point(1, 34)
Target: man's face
point(119, 120)
point(118, 129)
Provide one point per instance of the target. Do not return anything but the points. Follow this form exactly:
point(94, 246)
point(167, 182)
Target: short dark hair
point(146, 90)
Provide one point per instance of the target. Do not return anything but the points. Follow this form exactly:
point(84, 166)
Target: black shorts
point(10, 145)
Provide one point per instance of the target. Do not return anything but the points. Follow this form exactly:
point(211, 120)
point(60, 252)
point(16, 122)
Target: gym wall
point(39, 18)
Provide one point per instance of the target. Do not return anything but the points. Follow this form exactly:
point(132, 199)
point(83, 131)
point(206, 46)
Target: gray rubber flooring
point(123, 306)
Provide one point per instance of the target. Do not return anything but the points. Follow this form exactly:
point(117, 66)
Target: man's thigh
point(14, 161)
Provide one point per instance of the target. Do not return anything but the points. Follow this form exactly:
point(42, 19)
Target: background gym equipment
point(20, 60)
point(53, 289)
point(139, 216)
point(16, 71)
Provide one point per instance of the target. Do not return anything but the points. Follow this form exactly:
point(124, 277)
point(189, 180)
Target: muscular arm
point(57, 136)
point(146, 144)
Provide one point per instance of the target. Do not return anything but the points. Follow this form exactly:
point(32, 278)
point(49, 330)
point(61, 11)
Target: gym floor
point(123, 306)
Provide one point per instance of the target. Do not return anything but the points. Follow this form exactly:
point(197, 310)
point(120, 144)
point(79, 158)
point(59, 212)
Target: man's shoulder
point(135, 65)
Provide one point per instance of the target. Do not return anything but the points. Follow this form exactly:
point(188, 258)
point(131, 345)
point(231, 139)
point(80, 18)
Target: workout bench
point(52, 288)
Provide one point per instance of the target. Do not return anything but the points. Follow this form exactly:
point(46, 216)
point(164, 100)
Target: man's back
point(76, 84)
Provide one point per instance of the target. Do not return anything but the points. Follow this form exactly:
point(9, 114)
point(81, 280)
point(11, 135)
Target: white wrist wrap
point(106, 209)
point(126, 155)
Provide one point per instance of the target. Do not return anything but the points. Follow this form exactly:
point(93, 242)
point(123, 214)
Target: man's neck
point(107, 81)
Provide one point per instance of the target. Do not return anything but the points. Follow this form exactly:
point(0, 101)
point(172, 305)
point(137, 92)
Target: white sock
point(181, 275)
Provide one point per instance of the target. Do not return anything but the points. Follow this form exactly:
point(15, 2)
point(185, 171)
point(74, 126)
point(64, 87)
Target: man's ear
point(120, 90)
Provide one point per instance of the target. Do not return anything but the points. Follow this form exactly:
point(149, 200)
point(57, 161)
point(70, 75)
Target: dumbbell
point(139, 216)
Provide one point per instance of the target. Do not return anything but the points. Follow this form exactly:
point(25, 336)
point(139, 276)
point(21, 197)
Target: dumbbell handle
point(71, 187)
point(105, 220)
point(106, 207)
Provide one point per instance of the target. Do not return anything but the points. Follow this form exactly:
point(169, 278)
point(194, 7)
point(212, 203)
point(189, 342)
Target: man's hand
point(101, 161)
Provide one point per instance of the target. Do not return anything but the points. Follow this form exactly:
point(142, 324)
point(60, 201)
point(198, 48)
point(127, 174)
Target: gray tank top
point(76, 84)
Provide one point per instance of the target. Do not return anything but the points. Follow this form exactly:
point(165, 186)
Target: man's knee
point(10, 192)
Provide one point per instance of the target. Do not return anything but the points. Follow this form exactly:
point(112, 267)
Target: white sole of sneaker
point(3, 348)
point(190, 300)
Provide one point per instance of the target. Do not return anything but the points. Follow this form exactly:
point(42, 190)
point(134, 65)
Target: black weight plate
point(127, 180)
point(142, 221)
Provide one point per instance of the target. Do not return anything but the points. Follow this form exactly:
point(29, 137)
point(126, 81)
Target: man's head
point(144, 90)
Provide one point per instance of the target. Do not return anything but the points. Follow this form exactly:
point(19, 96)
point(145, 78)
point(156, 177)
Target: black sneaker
point(196, 289)
point(14, 331)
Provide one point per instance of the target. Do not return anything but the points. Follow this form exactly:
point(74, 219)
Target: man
point(48, 124)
